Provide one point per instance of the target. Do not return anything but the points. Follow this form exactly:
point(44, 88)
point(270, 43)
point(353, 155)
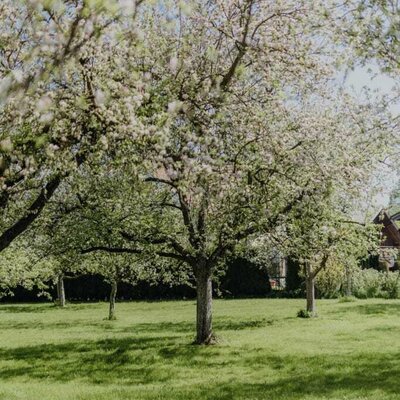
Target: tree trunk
point(310, 289)
point(61, 290)
point(113, 295)
point(204, 307)
point(348, 291)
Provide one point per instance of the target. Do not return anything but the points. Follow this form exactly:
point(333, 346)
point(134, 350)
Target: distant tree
point(21, 267)
point(117, 268)
point(49, 239)
point(322, 235)
point(87, 211)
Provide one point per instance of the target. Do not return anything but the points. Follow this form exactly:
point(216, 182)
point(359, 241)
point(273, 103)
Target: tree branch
point(33, 212)
point(110, 250)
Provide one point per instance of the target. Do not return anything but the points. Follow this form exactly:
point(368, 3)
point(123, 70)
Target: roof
point(393, 211)
point(390, 221)
point(397, 224)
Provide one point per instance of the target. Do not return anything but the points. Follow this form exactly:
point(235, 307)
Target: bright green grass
point(352, 351)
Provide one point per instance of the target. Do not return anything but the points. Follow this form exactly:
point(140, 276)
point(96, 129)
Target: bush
point(391, 285)
point(368, 283)
point(330, 280)
point(304, 314)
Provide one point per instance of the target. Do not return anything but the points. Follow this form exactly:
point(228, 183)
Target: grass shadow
point(160, 360)
point(370, 309)
point(26, 308)
point(182, 327)
point(189, 327)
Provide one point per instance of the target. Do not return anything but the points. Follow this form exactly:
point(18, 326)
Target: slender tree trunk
point(310, 289)
point(113, 295)
point(349, 290)
point(60, 290)
point(204, 307)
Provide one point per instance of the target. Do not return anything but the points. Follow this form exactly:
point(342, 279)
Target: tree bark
point(204, 307)
point(61, 290)
point(31, 214)
point(113, 295)
point(348, 291)
point(310, 289)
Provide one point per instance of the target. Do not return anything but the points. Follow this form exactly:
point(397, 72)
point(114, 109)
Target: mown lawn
point(352, 351)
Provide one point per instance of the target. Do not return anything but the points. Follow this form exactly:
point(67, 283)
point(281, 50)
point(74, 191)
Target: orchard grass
point(351, 351)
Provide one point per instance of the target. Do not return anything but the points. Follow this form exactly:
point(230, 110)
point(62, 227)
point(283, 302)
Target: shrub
point(367, 283)
point(391, 285)
point(304, 314)
point(330, 280)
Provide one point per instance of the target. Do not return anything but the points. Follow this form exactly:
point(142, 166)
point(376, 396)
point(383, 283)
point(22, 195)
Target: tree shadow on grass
point(324, 376)
point(26, 308)
point(371, 309)
point(35, 325)
point(103, 361)
point(163, 360)
point(45, 307)
point(221, 324)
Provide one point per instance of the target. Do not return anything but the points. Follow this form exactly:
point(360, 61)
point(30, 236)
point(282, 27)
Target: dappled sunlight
point(256, 356)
